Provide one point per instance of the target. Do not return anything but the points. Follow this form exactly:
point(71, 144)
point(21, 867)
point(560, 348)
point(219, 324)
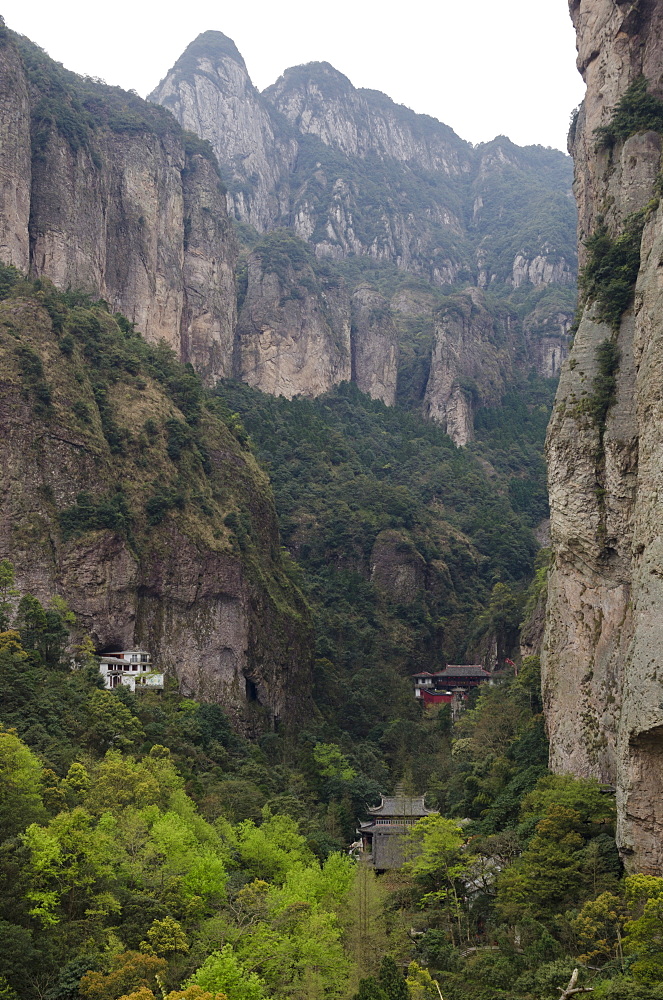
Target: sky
point(484, 67)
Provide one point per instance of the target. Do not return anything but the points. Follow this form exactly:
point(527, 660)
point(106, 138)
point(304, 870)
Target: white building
point(132, 668)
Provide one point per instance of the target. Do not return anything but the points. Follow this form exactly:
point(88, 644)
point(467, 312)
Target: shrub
point(609, 275)
point(636, 111)
point(110, 513)
point(164, 499)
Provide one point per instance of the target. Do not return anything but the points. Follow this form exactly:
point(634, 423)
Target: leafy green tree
point(20, 786)
point(420, 983)
point(599, 929)
point(438, 863)
point(223, 972)
point(165, 937)
point(644, 934)
point(270, 850)
point(71, 870)
point(370, 989)
point(392, 981)
point(109, 723)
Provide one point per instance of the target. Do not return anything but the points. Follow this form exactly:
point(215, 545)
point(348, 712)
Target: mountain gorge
point(276, 374)
point(107, 194)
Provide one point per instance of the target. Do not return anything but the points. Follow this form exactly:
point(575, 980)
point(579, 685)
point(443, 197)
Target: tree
point(365, 930)
point(110, 724)
point(223, 972)
point(644, 934)
point(392, 981)
point(438, 864)
point(7, 593)
point(548, 873)
point(20, 786)
point(165, 937)
point(129, 972)
point(71, 868)
point(599, 929)
point(421, 984)
point(43, 630)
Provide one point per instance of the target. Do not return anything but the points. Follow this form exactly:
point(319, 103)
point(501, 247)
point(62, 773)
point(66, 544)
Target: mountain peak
point(209, 45)
point(329, 80)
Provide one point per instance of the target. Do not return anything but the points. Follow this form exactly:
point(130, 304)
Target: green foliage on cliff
point(195, 146)
point(611, 269)
point(604, 383)
point(144, 454)
point(636, 111)
point(361, 490)
point(523, 206)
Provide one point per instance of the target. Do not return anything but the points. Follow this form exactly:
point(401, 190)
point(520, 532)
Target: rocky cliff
point(103, 192)
point(353, 173)
point(126, 492)
point(210, 93)
point(361, 179)
point(601, 664)
point(293, 335)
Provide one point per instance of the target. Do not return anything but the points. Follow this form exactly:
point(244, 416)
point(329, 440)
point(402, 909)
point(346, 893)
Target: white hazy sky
point(485, 67)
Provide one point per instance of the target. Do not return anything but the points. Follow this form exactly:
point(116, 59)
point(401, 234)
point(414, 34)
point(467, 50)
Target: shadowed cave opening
point(251, 690)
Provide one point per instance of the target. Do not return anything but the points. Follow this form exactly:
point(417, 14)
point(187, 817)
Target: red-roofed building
point(450, 684)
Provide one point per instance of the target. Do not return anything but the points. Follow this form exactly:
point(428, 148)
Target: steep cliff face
point(480, 349)
point(115, 200)
point(293, 335)
point(126, 493)
point(397, 568)
point(210, 93)
point(464, 348)
point(602, 679)
point(15, 156)
point(374, 345)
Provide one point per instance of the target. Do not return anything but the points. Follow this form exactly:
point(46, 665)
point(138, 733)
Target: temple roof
point(475, 670)
point(402, 805)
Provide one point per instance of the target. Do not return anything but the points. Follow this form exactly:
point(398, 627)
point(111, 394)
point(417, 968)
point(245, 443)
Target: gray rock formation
point(601, 665)
point(210, 93)
point(396, 566)
point(124, 210)
point(293, 334)
point(476, 355)
point(374, 345)
point(15, 157)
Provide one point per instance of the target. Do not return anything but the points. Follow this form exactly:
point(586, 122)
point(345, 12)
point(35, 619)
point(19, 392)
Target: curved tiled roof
point(402, 805)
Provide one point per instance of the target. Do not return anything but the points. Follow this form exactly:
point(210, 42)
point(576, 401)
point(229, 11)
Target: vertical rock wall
point(121, 209)
point(602, 667)
point(293, 334)
point(15, 157)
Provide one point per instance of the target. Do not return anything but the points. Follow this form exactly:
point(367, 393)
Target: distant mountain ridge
point(467, 253)
point(351, 172)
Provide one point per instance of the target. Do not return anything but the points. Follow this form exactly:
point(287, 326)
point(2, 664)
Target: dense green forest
point(148, 849)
